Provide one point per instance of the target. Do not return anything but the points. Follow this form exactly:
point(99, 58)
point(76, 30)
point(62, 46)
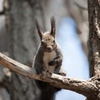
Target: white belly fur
point(47, 58)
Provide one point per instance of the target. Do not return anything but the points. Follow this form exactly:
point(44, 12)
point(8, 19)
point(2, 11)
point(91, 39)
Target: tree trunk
point(94, 41)
point(23, 41)
point(94, 36)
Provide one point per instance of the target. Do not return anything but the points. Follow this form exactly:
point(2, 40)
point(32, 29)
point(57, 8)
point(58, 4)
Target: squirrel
point(48, 58)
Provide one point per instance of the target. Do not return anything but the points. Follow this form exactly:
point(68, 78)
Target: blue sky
point(75, 61)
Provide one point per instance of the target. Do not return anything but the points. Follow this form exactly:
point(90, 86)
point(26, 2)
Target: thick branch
point(81, 86)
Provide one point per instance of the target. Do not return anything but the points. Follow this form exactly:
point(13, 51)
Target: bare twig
point(83, 8)
point(75, 84)
point(5, 83)
point(2, 12)
point(1, 83)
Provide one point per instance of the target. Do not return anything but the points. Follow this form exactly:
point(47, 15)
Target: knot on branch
point(96, 80)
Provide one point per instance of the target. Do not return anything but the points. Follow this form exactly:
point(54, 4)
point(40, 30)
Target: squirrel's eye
point(42, 43)
point(53, 41)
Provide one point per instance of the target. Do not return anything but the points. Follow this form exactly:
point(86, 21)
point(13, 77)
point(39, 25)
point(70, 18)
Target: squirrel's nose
point(49, 47)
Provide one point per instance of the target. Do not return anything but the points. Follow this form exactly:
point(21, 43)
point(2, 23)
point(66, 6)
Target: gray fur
point(48, 58)
point(38, 63)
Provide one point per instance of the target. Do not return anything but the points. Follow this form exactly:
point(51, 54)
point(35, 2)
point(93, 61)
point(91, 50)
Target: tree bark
point(23, 41)
point(94, 36)
point(94, 41)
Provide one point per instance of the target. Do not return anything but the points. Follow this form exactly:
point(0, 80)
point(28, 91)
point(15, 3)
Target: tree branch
point(85, 87)
point(1, 83)
point(83, 8)
point(2, 13)
point(5, 83)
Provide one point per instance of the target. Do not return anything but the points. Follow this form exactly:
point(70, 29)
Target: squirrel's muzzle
point(49, 48)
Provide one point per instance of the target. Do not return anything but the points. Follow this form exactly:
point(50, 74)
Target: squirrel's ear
point(53, 28)
point(38, 29)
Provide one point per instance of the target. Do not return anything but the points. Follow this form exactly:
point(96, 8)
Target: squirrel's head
point(48, 42)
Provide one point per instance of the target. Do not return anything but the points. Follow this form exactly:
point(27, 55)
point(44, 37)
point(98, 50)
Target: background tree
point(22, 42)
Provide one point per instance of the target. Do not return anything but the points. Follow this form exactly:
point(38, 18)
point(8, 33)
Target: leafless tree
point(21, 87)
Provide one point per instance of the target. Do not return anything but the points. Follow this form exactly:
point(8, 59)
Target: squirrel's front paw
point(51, 63)
point(39, 70)
point(62, 74)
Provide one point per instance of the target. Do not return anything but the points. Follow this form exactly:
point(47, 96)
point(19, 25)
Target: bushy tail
point(47, 91)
